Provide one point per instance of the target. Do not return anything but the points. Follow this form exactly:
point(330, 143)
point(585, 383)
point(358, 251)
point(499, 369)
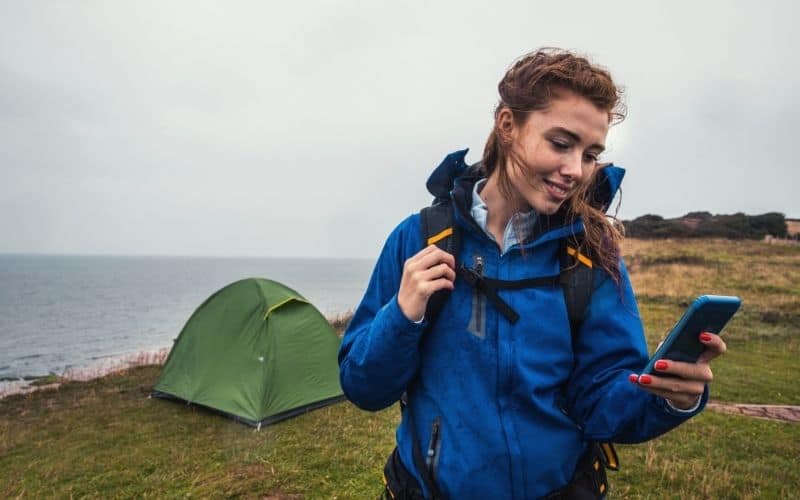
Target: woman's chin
point(544, 204)
point(547, 208)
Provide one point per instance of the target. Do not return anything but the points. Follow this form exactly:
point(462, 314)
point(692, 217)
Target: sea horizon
point(179, 256)
point(65, 311)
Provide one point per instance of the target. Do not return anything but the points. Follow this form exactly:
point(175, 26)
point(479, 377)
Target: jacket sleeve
point(611, 346)
point(379, 354)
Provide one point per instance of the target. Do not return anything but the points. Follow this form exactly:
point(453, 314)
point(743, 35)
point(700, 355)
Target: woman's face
point(554, 150)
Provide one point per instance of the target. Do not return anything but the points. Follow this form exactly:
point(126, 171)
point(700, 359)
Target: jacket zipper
point(479, 295)
point(432, 456)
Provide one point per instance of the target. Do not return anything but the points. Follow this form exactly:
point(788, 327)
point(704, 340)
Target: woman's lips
point(556, 190)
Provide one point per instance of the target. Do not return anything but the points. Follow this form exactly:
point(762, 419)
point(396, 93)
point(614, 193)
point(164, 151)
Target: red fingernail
point(633, 377)
point(705, 337)
point(661, 365)
point(645, 379)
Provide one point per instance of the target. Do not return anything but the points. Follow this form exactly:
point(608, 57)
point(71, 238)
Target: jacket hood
point(442, 180)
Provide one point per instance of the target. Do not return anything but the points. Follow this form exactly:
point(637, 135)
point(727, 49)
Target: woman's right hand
point(430, 270)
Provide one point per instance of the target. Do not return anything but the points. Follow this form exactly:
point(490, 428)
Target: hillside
point(706, 225)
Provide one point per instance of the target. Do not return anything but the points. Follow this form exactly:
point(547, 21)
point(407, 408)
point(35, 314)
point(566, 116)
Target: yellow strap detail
point(438, 237)
point(586, 261)
point(611, 455)
point(386, 485)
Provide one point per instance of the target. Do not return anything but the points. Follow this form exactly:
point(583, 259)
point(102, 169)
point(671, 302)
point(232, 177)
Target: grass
point(713, 456)
point(763, 344)
point(105, 438)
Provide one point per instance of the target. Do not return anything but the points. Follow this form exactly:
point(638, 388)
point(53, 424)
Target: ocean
point(66, 312)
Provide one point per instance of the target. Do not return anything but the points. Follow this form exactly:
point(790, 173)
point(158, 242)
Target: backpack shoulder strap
point(577, 281)
point(438, 226)
point(437, 223)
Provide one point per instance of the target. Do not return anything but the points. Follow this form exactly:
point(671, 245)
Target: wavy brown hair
point(531, 83)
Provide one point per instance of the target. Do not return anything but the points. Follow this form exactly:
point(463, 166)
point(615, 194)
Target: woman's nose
point(573, 167)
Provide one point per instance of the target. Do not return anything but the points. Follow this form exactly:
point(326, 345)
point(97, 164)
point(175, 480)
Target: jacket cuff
point(398, 322)
point(694, 410)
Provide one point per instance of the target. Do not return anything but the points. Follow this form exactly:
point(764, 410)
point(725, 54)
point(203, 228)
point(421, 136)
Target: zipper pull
point(479, 265)
point(472, 275)
point(433, 446)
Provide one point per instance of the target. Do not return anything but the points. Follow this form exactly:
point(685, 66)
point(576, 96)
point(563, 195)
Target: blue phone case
point(708, 313)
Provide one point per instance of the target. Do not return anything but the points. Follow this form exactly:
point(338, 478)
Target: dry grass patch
point(766, 277)
point(340, 321)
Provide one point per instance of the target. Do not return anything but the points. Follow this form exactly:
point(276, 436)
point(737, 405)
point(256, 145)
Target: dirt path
point(783, 413)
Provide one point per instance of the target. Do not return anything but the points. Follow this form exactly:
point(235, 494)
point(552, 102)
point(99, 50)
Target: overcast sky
point(309, 128)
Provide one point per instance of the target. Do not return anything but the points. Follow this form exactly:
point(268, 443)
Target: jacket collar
point(454, 179)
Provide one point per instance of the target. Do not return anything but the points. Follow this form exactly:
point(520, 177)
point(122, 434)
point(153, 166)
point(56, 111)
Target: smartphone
point(708, 313)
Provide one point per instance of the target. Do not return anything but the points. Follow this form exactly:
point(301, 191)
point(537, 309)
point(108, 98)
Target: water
point(59, 312)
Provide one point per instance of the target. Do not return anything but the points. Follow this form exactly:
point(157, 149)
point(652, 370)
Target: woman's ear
point(505, 126)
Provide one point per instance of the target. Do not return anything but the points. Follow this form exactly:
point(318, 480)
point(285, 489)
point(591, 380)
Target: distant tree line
point(705, 225)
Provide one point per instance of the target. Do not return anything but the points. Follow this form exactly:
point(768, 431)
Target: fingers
point(715, 346)
point(700, 372)
point(428, 257)
point(428, 271)
point(424, 286)
point(442, 270)
point(681, 393)
point(671, 386)
point(427, 266)
point(683, 401)
point(679, 382)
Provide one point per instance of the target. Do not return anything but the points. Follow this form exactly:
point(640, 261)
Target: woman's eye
point(560, 145)
point(591, 158)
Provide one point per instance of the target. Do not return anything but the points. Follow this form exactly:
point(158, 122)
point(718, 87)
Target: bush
point(705, 225)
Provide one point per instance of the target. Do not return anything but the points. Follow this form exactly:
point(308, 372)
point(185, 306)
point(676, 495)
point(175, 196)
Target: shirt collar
point(519, 226)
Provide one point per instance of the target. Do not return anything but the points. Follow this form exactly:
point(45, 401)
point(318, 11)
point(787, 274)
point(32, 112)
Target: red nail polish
point(661, 365)
point(645, 379)
point(633, 377)
point(705, 337)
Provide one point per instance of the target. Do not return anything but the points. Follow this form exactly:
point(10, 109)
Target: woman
point(505, 407)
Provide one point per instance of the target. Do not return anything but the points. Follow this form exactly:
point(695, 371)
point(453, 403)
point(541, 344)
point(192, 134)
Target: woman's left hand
point(687, 381)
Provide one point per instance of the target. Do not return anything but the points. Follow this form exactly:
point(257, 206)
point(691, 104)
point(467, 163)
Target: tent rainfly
point(256, 351)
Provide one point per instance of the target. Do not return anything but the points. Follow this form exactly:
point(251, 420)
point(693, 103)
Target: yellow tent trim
point(283, 302)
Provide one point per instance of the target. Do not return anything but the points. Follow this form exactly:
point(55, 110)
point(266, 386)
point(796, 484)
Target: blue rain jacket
point(519, 402)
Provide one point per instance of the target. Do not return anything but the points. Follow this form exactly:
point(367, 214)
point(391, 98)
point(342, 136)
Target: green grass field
point(104, 438)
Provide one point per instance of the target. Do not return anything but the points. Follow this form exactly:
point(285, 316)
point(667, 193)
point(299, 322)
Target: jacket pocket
point(434, 449)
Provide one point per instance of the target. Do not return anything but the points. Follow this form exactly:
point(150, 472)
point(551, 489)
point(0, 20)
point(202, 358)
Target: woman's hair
point(531, 83)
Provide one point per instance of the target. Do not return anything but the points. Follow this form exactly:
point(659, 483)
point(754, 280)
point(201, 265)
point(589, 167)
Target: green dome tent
point(257, 351)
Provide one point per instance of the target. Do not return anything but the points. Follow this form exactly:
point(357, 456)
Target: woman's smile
point(557, 190)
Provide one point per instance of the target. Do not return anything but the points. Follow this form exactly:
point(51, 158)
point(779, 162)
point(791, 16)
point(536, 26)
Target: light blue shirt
point(518, 228)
